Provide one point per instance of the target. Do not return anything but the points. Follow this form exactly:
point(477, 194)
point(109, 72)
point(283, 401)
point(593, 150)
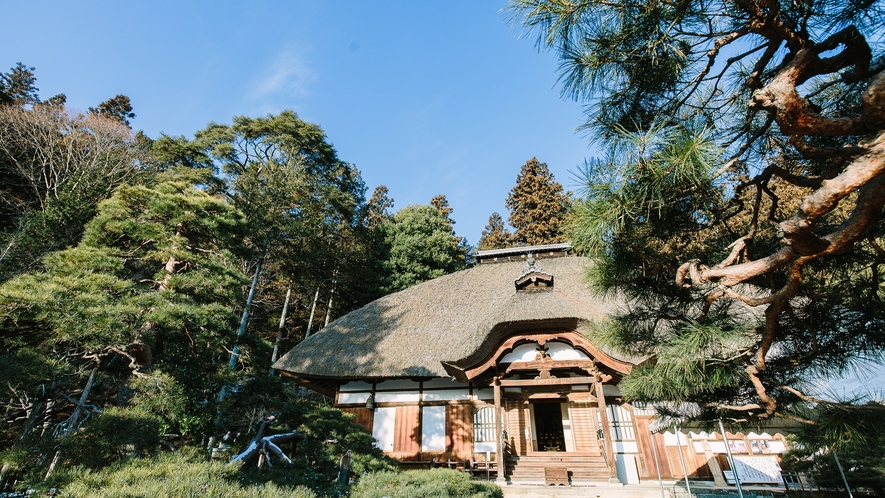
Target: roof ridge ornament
point(533, 277)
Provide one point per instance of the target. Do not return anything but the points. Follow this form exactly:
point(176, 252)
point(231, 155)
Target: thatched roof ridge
point(452, 318)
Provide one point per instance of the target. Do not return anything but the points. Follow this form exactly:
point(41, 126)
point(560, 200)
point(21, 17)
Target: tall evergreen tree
point(119, 108)
point(18, 86)
point(495, 235)
point(539, 208)
point(299, 199)
point(441, 204)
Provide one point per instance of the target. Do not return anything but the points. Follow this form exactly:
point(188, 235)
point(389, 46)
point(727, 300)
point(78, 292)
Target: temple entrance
point(548, 426)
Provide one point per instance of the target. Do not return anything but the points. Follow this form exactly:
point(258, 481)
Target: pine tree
point(441, 204)
point(539, 208)
point(119, 108)
point(494, 235)
point(744, 226)
point(144, 305)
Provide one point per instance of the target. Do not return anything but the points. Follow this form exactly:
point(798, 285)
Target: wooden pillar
point(606, 429)
point(502, 460)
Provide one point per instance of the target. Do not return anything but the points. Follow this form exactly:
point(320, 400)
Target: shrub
point(114, 435)
point(170, 476)
point(436, 483)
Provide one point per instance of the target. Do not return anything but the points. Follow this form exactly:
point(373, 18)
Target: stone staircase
point(582, 469)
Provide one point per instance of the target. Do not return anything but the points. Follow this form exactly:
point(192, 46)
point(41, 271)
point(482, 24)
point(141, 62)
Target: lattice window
point(620, 423)
point(484, 425)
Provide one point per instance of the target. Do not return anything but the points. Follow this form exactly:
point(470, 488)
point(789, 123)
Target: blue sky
point(426, 97)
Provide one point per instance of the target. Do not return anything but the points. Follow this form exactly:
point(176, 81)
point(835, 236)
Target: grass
point(433, 483)
point(168, 476)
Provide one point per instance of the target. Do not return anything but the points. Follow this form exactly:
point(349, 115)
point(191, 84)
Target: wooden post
point(344, 469)
point(606, 429)
point(502, 460)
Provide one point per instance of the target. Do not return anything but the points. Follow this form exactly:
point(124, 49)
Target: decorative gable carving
point(533, 277)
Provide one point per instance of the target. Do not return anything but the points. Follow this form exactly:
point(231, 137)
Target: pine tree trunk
point(276, 345)
point(313, 309)
point(244, 320)
point(71, 422)
point(329, 307)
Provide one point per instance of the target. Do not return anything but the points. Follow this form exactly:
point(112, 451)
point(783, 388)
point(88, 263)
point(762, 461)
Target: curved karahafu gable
point(454, 318)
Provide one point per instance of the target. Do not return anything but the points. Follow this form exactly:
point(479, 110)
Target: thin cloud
point(288, 75)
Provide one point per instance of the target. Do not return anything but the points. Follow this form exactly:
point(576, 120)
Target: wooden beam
point(564, 381)
point(499, 444)
point(606, 429)
point(548, 365)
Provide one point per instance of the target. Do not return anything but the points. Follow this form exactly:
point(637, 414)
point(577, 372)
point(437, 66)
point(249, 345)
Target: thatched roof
point(453, 318)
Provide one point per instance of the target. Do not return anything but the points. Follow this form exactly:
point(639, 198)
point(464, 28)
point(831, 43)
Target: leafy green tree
point(168, 152)
point(539, 208)
point(297, 195)
point(421, 245)
point(119, 108)
point(495, 235)
point(739, 208)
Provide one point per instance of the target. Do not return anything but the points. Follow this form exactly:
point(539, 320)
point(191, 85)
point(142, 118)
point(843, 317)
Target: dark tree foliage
point(494, 235)
point(539, 208)
point(18, 86)
point(119, 108)
point(739, 208)
point(851, 433)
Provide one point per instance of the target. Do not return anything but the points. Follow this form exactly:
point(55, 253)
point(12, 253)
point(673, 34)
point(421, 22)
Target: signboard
point(756, 469)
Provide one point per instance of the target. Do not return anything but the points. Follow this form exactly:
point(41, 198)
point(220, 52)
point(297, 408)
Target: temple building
point(500, 359)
